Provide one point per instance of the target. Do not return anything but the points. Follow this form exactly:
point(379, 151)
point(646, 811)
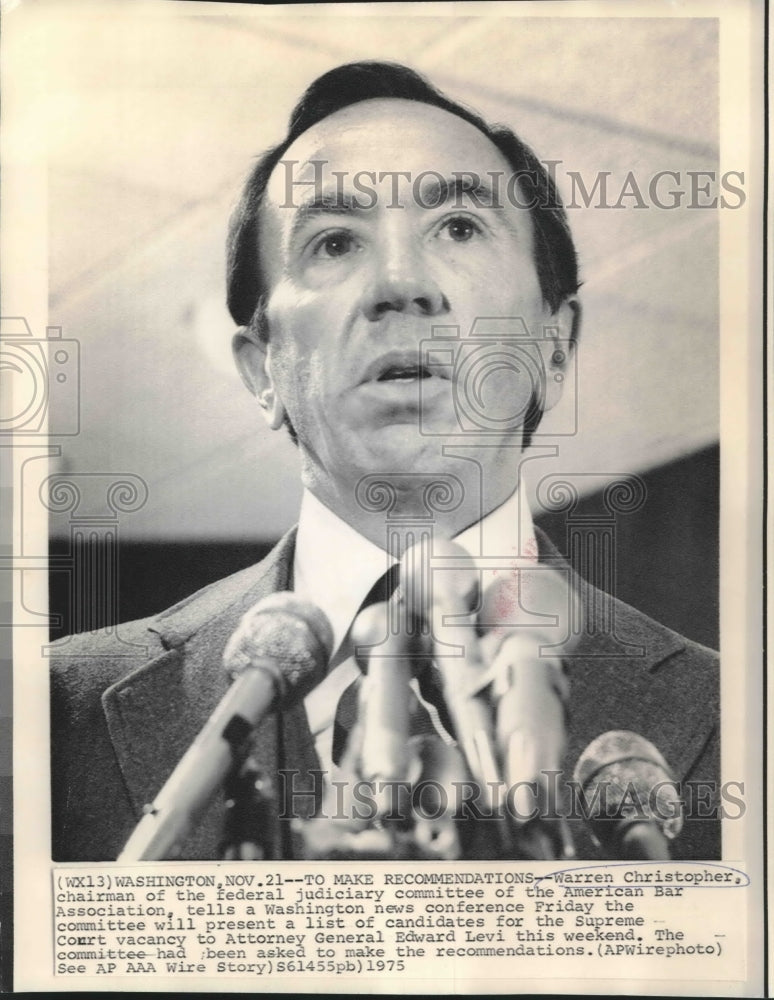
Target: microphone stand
point(251, 805)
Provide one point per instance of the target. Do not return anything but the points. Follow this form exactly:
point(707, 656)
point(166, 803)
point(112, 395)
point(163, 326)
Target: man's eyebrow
point(459, 188)
point(325, 203)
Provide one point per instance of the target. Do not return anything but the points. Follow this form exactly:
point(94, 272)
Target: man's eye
point(460, 229)
point(334, 245)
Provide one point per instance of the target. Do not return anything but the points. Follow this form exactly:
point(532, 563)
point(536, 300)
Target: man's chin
point(396, 447)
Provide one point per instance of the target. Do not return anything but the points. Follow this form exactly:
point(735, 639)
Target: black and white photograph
point(386, 436)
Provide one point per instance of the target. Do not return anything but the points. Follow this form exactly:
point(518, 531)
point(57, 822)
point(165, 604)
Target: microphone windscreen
point(285, 635)
point(624, 777)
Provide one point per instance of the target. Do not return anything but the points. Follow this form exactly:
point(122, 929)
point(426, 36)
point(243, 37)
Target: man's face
point(358, 278)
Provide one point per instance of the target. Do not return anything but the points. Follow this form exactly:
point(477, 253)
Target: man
point(388, 213)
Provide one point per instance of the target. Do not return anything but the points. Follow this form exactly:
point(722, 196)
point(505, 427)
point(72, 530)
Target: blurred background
point(154, 117)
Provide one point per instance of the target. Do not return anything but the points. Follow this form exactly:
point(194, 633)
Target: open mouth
point(404, 373)
point(400, 367)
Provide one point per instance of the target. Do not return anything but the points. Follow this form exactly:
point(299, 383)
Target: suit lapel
point(154, 713)
point(627, 675)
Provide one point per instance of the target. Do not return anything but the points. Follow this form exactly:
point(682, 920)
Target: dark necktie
point(346, 710)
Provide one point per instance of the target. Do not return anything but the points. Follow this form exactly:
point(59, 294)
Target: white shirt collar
point(504, 537)
point(335, 566)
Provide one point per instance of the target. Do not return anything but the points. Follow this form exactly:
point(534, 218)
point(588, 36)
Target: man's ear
point(561, 331)
point(253, 360)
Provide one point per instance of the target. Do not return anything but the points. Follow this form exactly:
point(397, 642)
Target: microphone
point(525, 621)
point(634, 807)
point(275, 656)
point(522, 613)
point(390, 650)
point(452, 593)
point(384, 657)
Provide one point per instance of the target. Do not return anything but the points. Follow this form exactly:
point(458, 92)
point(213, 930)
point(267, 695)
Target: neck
point(390, 509)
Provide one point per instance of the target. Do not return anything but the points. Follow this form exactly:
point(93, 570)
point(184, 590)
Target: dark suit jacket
point(127, 703)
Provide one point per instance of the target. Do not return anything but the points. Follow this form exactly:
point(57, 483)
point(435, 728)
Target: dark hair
point(554, 251)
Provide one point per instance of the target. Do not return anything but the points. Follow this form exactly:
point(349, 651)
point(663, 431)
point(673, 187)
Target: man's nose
point(401, 281)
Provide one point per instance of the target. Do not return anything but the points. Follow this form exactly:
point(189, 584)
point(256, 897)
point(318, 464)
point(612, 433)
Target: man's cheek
point(292, 375)
point(505, 390)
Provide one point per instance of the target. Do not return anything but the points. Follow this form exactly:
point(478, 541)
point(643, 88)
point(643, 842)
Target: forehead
point(385, 135)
